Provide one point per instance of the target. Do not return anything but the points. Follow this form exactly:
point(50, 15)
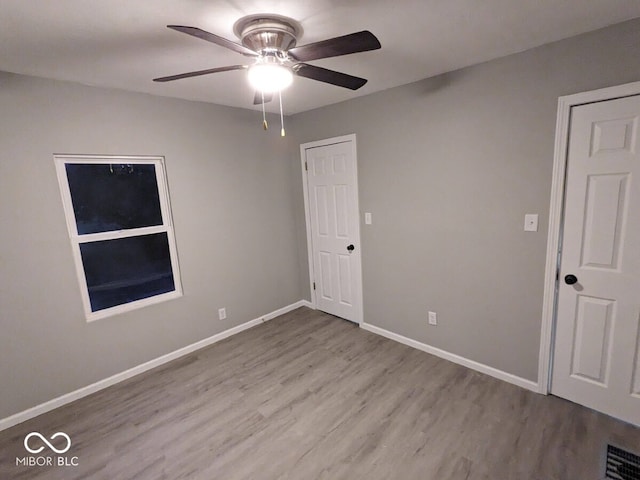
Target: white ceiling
point(125, 43)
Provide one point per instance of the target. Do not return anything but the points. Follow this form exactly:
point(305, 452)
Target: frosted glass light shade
point(269, 78)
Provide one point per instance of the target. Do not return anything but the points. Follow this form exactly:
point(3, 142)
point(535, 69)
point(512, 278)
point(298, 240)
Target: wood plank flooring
point(309, 396)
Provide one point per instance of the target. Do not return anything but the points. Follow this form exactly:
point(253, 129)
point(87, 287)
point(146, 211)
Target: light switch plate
point(531, 222)
point(367, 218)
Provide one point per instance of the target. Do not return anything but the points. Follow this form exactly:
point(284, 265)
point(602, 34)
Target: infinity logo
point(41, 437)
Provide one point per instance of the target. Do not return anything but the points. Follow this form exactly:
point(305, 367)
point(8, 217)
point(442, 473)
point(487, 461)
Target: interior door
point(596, 353)
point(335, 230)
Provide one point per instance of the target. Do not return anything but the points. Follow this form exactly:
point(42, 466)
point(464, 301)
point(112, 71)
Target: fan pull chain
point(264, 115)
point(281, 115)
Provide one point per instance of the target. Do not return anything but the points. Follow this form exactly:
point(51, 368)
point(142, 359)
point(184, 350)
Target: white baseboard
point(307, 303)
point(119, 377)
point(465, 362)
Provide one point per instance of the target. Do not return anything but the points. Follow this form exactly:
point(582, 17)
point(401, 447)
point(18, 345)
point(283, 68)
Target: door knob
point(351, 248)
point(570, 279)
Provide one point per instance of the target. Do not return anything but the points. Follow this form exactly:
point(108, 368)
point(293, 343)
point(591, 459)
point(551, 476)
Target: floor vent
point(622, 465)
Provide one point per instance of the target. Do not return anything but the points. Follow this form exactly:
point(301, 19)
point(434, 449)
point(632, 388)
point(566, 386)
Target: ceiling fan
point(271, 41)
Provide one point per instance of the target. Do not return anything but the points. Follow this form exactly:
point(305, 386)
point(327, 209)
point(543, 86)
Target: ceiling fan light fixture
point(269, 77)
point(271, 41)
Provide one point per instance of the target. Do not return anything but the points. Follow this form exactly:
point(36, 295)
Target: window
point(119, 222)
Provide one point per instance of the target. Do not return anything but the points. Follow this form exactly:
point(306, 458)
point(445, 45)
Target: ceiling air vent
point(622, 465)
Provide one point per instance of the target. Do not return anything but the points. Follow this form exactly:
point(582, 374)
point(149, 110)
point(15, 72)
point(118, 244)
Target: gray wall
point(449, 166)
point(233, 209)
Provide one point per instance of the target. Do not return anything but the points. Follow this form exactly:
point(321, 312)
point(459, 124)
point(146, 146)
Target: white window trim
point(76, 240)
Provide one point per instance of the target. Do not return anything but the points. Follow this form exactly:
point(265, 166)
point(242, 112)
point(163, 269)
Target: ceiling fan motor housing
point(268, 33)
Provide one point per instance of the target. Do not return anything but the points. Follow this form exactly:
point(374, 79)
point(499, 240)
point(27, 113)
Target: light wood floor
point(308, 396)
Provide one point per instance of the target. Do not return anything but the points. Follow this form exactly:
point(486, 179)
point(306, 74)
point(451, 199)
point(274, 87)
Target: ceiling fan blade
point(200, 72)
point(210, 37)
point(257, 98)
point(334, 47)
point(329, 76)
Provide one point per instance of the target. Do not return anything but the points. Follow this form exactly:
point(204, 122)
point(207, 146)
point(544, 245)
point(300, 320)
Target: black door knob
point(351, 248)
point(570, 279)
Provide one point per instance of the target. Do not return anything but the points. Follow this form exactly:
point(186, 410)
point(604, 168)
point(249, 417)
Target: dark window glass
point(113, 197)
point(124, 270)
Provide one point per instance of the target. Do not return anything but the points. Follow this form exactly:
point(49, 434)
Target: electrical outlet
point(433, 318)
point(531, 222)
point(222, 313)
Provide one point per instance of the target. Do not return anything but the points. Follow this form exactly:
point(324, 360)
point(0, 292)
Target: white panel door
point(596, 353)
point(333, 213)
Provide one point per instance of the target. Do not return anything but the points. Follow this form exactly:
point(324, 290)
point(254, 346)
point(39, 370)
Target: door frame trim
point(307, 214)
point(556, 214)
